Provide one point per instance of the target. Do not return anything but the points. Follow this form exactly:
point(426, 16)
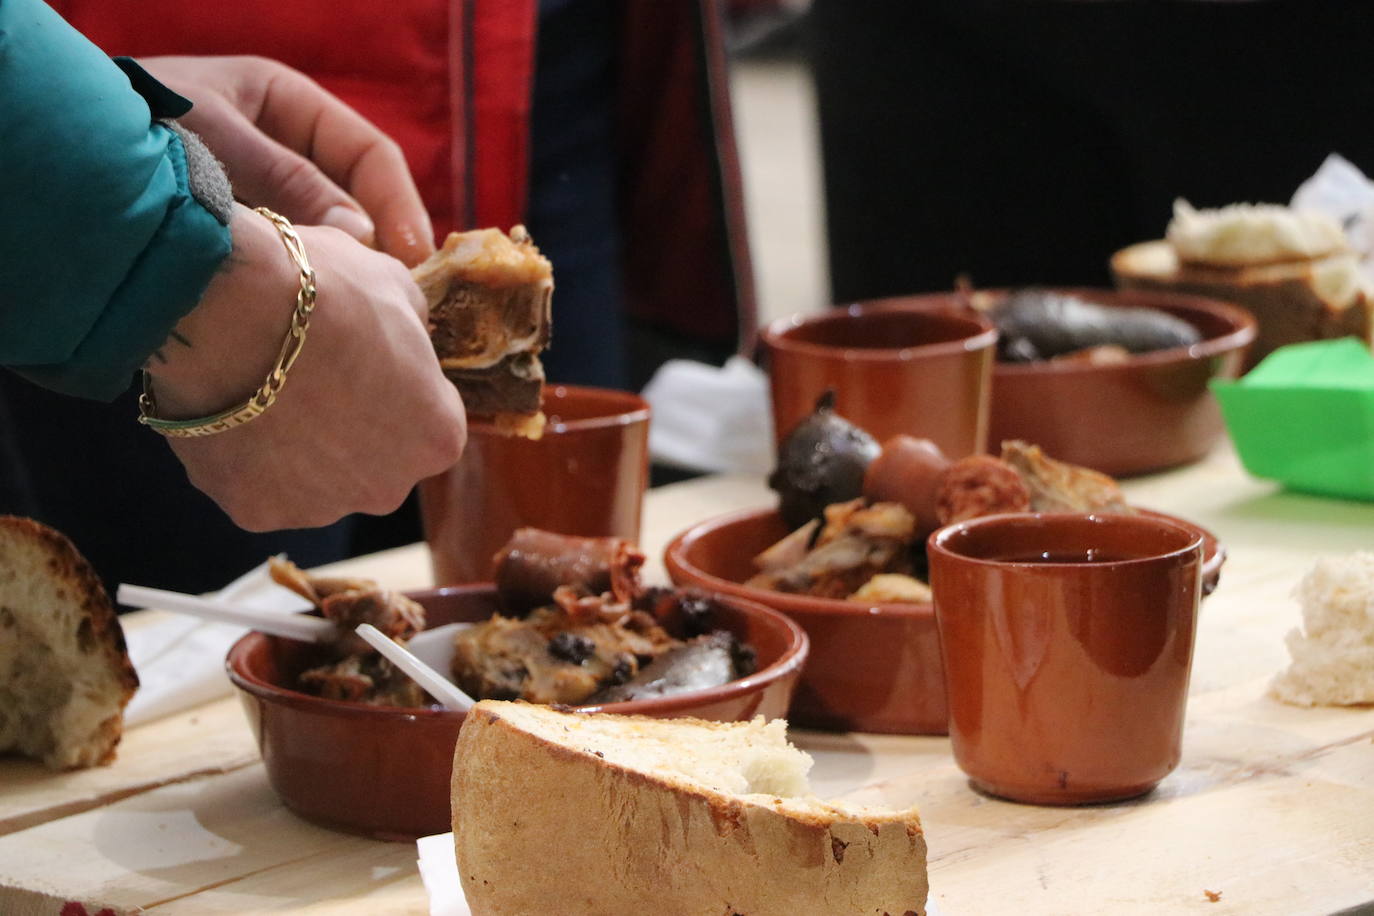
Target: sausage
point(907, 471)
point(534, 563)
point(979, 485)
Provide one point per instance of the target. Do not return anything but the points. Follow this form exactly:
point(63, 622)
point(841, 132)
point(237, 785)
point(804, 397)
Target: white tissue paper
point(439, 871)
point(711, 419)
point(180, 660)
point(1340, 190)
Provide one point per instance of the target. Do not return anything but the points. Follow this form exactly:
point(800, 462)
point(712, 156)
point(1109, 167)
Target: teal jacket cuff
point(105, 247)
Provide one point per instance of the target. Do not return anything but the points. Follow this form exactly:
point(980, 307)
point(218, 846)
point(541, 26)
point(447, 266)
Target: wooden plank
point(210, 739)
point(222, 844)
point(1272, 807)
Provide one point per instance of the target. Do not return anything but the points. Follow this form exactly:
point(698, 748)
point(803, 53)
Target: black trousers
point(1023, 141)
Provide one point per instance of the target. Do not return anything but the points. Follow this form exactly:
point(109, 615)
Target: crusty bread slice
point(592, 815)
point(490, 298)
point(1292, 301)
point(64, 673)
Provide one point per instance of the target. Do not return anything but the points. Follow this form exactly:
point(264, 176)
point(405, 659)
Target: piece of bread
point(592, 815)
point(1333, 662)
point(65, 676)
point(1291, 270)
point(490, 301)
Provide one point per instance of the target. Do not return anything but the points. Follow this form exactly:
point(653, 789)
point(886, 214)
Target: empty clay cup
point(585, 476)
point(895, 369)
point(1067, 642)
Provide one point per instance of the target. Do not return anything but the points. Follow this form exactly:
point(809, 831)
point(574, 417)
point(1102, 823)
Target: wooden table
point(1272, 809)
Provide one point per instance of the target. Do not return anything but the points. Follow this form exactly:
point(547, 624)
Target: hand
point(289, 145)
point(366, 411)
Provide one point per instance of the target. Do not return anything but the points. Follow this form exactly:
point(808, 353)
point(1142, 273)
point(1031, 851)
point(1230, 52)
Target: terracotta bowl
point(384, 772)
point(1150, 412)
point(872, 668)
point(922, 371)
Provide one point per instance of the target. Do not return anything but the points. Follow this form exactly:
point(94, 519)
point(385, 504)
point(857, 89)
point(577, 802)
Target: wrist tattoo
point(174, 336)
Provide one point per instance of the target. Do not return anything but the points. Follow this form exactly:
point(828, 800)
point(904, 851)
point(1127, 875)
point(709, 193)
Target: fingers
point(349, 149)
point(266, 173)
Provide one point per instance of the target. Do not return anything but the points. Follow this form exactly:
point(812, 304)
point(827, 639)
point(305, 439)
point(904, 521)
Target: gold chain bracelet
point(265, 396)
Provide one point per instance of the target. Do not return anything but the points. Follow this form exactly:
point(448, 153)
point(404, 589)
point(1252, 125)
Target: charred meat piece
point(1056, 486)
point(490, 298)
point(350, 602)
point(856, 543)
point(361, 679)
point(554, 655)
point(534, 563)
point(1035, 324)
point(706, 661)
point(821, 462)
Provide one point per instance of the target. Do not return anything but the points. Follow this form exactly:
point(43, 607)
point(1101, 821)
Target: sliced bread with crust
point(589, 815)
point(65, 676)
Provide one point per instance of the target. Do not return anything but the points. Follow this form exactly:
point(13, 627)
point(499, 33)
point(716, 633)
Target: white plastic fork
point(291, 626)
point(434, 683)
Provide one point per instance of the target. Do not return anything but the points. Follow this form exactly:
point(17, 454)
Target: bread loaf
point(490, 298)
point(590, 815)
point(65, 676)
point(1291, 270)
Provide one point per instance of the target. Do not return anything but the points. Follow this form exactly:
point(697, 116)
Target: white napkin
point(1340, 190)
point(439, 871)
point(711, 419)
point(180, 661)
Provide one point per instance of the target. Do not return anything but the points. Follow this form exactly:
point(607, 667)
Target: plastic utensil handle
point(291, 626)
point(434, 683)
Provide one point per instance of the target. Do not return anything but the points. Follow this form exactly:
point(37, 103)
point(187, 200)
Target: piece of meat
point(359, 679)
point(857, 542)
point(706, 661)
point(907, 471)
point(554, 657)
point(534, 563)
point(1056, 486)
point(490, 298)
point(391, 612)
point(979, 485)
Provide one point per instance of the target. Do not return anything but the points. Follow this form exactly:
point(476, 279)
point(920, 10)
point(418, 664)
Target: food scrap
point(353, 670)
point(870, 546)
point(582, 629)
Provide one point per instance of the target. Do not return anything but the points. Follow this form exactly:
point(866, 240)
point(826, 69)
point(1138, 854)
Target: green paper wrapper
point(1305, 417)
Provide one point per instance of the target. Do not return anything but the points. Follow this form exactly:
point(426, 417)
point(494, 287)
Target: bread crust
point(30, 549)
point(543, 827)
point(1283, 296)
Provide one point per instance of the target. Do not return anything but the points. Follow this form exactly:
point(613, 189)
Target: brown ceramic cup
point(895, 369)
point(1067, 643)
point(585, 476)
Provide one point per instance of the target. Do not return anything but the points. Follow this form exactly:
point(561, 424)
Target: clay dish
point(384, 771)
point(923, 371)
point(1151, 411)
point(872, 668)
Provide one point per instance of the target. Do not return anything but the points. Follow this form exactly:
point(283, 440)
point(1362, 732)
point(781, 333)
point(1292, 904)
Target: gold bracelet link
point(291, 347)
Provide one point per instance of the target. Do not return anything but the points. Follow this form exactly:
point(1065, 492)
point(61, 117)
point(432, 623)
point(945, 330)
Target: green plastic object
point(1305, 417)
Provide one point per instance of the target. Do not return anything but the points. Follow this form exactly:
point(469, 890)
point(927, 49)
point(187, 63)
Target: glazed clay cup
point(1067, 643)
point(922, 371)
point(585, 476)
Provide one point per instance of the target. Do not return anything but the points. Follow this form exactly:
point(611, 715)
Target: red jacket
point(451, 80)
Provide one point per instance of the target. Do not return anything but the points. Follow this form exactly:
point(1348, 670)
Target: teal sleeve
point(103, 248)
